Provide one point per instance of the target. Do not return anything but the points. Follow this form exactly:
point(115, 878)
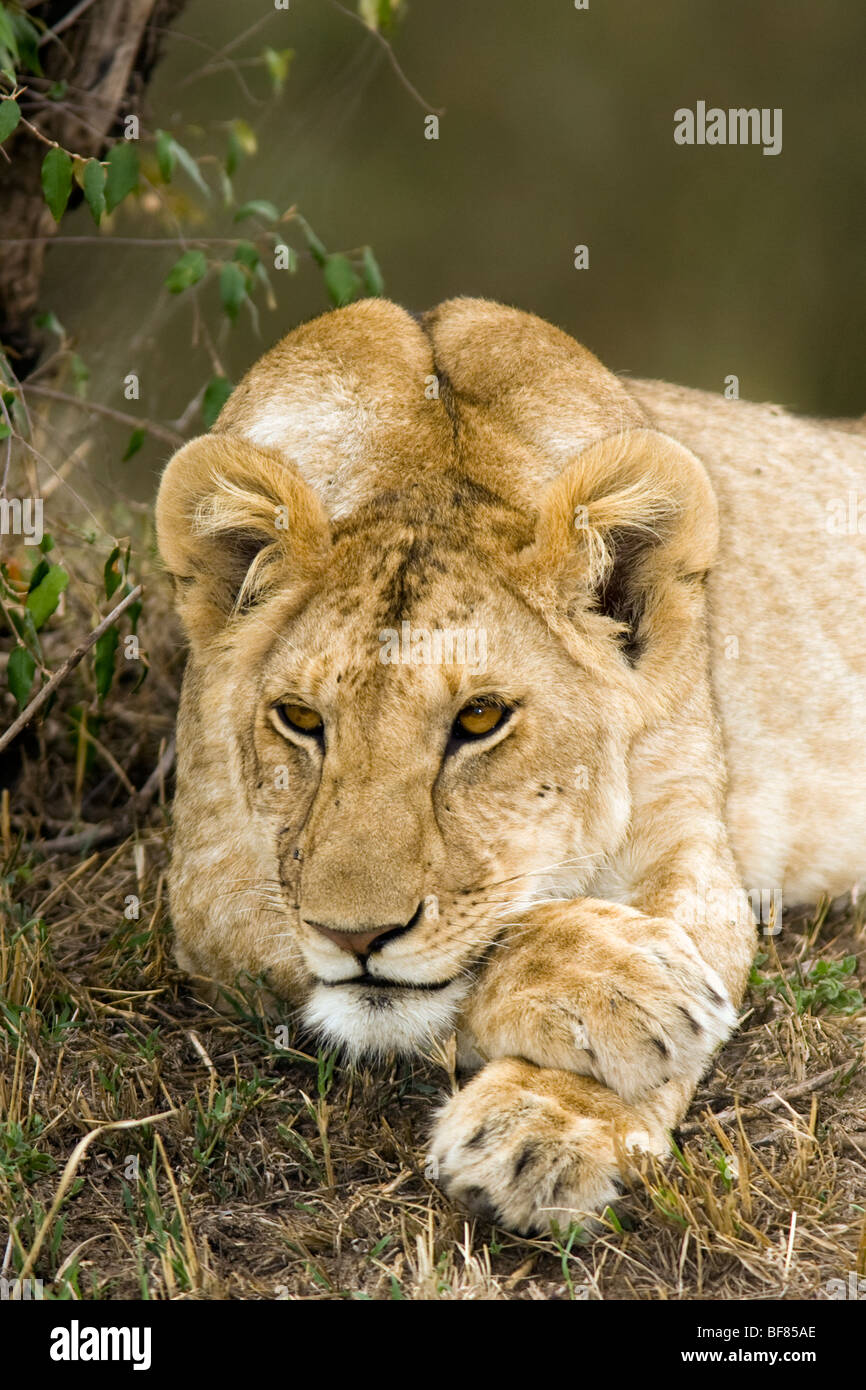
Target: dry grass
point(277, 1172)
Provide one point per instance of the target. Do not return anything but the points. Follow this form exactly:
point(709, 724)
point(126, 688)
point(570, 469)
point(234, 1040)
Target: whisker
point(534, 873)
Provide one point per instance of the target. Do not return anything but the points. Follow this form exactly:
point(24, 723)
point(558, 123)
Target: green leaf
point(341, 280)
point(166, 155)
point(257, 207)
point(187, 271)
point(39, 573)
point(27, 36)
point(262, 277)
point(103, 660)
point(19, 673)
point(122, 176)
point(217, 392)
point(242, 142)
point(190, 168)
point(42, 602)
point(22, 621)
point(80, 374)
point(136, 439)
point(228, 191)
point(57, 181)
point(7, 36)
point(5, 431)
point(10, 115)
point(233, 288)
point(318, 250)
point(46, 544)
point(94, 188)
point(110, 574)
point(247, 254)
point(51, 323)
point(374, 282)
point(278, 61)
point(58, 90)
point(379, 14)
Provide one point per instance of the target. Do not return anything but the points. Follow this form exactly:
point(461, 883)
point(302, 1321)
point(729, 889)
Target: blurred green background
point(557, 130)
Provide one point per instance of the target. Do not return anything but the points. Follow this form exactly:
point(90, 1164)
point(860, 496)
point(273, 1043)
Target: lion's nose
point(360, 943)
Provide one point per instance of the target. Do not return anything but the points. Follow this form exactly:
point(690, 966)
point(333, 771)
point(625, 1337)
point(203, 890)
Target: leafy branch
point(167, 174)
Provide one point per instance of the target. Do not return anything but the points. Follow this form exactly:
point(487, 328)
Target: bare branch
point(775, 1101)
point(115, 830)
point(392, 59)
point(69, 665)
point(158, 431)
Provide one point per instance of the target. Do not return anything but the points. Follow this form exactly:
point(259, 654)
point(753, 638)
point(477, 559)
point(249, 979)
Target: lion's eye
point(478, 718)
point(299, 717)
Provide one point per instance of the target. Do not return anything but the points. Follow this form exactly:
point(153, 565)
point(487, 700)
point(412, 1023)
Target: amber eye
point(477, 718)
point(299, 717)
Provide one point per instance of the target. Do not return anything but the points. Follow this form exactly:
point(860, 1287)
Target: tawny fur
point(673, 612)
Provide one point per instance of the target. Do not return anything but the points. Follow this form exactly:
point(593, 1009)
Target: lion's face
point(408, 714)
point(421, 757)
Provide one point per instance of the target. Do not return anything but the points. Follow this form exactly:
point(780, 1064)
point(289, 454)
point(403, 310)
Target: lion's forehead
point(398, 610)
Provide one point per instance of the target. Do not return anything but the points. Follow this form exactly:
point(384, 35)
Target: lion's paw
point(622, 998)
point(525, 1147)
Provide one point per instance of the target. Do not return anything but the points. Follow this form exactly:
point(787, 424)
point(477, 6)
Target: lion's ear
point(619, 531)
point(233, 521)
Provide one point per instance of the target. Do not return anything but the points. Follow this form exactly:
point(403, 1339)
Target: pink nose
point(357, 943)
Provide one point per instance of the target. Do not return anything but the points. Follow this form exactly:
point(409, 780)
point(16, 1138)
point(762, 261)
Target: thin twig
point(234, 68)
point(69, 665)
point(105, 753)
point(46, 140)
point(69, 1173)
point(776, 1100)
point(85, 839)
point(116, 829)
point(65, 23)
point(127, 240)
point(220, 53)
point(392, 59)
point(157, 777)
point(158, 431)
point(201, 1050)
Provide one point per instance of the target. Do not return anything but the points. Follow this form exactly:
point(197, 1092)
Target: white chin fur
point(368, 1022)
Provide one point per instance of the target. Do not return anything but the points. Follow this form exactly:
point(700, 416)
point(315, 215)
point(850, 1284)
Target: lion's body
point(786, 601)
point(682, 717)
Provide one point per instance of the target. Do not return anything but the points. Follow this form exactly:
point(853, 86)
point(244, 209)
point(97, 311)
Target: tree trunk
point(106, 53)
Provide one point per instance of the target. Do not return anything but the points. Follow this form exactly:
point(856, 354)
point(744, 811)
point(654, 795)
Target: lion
point(552, 843)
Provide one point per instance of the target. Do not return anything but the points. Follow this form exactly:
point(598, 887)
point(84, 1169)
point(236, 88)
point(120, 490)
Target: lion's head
point(435, 577)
